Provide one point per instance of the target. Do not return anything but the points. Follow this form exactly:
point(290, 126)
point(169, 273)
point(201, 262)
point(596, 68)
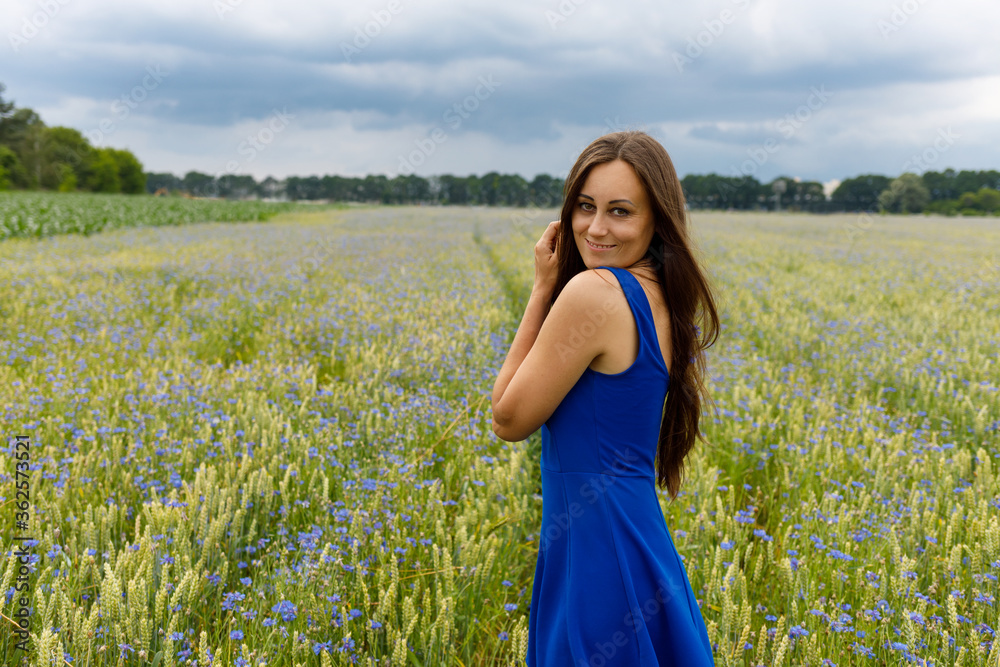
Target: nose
point(598, 225)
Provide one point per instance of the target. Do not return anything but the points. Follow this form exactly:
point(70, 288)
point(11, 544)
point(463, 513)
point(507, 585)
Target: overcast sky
point(820, 91)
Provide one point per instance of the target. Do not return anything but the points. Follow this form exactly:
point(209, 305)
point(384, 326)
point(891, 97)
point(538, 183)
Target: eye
point(624, 211)
point(584, 205)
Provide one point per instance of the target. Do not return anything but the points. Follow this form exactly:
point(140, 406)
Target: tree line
point(948, 192)
point(34, 156)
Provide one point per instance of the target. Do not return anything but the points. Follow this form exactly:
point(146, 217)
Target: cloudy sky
point(820, 91)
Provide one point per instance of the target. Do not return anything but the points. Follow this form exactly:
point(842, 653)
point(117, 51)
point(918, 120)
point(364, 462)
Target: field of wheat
point(269, 443)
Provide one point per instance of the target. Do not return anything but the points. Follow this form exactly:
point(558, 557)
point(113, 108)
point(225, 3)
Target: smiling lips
point(598, 247)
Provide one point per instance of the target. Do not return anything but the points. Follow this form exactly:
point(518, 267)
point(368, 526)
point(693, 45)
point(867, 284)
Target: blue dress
point(609, 586)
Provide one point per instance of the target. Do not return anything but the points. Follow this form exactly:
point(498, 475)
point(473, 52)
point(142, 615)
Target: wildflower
point(510, 606)
point(288, 611)
point(230, 599)
point(863, 650)
point(503, 636)
point(236, 634)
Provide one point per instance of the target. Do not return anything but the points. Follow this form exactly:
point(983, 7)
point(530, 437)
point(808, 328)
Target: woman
point(610, 325)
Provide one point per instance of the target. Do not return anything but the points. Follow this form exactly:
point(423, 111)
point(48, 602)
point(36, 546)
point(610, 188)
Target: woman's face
point(612, 211)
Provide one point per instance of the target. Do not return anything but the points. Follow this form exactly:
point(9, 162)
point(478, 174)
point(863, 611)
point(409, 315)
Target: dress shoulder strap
point(642, 312)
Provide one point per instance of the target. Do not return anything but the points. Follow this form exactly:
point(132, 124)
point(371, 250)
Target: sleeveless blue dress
point(609, 586)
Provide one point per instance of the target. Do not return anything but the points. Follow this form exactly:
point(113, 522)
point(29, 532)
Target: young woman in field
point(608, 361)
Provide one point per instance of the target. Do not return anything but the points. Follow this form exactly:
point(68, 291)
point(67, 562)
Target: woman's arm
point(551, 352)
point(546, 268)
point(548, 355)
point(531, 323)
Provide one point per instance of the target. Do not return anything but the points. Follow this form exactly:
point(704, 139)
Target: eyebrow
point(613, 201)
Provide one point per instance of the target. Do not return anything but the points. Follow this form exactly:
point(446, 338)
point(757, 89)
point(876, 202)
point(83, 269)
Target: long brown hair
point(694, 321)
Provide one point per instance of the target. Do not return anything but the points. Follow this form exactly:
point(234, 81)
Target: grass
point(270, 443)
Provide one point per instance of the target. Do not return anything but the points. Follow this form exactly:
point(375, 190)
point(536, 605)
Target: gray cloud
point(716, 84)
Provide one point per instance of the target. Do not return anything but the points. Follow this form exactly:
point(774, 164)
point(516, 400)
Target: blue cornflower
point(288, 611)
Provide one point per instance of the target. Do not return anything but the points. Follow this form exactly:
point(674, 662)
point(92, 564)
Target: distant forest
point(34, 156)
point(947, 192)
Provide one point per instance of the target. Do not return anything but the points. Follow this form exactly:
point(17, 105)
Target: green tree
point(988, 199)
point(24, 133)
point(941, 185)
point(860, 193)
point(735, 192)
point(130, 173)
point(155, 181)
point(67, 178)
point(454, 190)
point(6, 108)
point(906, 194)
point(15, 173)
point(545, 191)
point(374, 188)
point(968, 200)
point(512, 190)
point(104, 172)
point(198, 184)
point(64, 146)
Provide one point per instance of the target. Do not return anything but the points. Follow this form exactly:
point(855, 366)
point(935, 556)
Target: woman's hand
point(546, 258)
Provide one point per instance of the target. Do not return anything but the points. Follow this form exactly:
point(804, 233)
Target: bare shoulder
point(596, 279)
point(592, 294)
point(591, 288)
